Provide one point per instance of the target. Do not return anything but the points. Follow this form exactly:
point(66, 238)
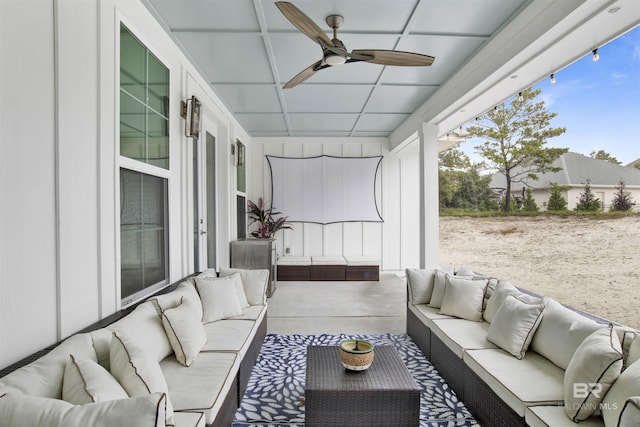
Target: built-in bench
point(328, 268)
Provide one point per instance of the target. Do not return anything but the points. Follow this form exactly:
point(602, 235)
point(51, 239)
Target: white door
point(205, 196)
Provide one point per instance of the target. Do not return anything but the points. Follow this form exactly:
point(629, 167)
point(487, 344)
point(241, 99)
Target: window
point(144, 138)
point(144, 103)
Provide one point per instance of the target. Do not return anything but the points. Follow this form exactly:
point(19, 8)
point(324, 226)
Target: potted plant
point(268, 224)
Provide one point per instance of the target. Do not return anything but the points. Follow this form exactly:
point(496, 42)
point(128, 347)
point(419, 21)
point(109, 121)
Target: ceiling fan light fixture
point(334, 59)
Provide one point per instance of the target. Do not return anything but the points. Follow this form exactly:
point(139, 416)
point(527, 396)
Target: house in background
point(110, 192)
point(576, 170)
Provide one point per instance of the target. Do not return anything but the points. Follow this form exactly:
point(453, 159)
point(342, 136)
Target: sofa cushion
point(438, 288)
point(420, 284)
point(229, 335)
point(632, 349)
point(500, 292)
point(463, 298)
point(560, 333)
point(538, 381)
point(460, 335)
point(255, 283)
point(625, 387)
point(514, 325)
point(185, 331)
point(25, 410)
point(185, 290)
point(85, 381)
point(203, 385)
point(43, 377)
point(219, 298)
point(554, 416)
point(428, 314)
point(144, 326)
point(595, 365)
point(253, 312)
point(138, 373)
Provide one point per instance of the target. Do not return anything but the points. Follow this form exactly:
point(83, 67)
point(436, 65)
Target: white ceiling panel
point(238, 15)
point(247, 50)
point(398, 99)
point(255, 98)
point(327, 98)
point(229, 58)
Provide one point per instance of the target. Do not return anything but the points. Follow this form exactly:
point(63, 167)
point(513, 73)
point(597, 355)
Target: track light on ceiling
point(596, 56)
point(520, 97)
point(552, 79)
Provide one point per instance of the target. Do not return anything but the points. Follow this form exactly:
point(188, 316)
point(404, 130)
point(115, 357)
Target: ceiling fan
point(334, 51)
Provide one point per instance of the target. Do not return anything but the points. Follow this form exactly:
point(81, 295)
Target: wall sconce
point(552, 79)
point(238, 153)
point(520, 97)
point(191, 116)
point(596, 56)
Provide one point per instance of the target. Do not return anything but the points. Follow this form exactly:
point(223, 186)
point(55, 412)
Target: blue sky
point(598, 102)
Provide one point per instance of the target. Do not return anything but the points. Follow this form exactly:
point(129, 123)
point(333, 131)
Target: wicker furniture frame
point(362, 273)
point(384, 395)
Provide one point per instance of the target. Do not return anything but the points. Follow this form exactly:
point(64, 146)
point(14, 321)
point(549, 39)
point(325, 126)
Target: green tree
point(588, 202)
point(622, 200)
point(556, 201)
point(516, 136)
point(603, 155)
point(452, 166)
point(529, 203)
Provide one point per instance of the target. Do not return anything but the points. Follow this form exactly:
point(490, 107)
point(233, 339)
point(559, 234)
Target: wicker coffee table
point(383, 395)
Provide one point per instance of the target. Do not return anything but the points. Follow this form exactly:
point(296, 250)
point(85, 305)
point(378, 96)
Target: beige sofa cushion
point(184, 291)
point(219, 298)
point(420, 284)
point(460, 335)
point(538, 381)
point(554, 416)
point(500, 292)
point(514, 325)
point(626, 387)
point(203, 385)
point(229, 335)
point(255, 283)
point(560, 333)
point(595, 365)
point(138, 373)
point(185, 331)
point(463, 298)
point(85, 381)
point(144, 326)
point(43, 377)
point(437, 295)
point(23, 410)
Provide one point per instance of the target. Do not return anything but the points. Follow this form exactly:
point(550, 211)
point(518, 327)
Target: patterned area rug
point(276, 387)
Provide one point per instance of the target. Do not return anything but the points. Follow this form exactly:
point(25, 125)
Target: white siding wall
point(395, 242)
point(59, 167)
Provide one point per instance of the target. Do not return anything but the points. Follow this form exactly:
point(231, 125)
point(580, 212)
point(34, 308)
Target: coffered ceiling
point(485, 50)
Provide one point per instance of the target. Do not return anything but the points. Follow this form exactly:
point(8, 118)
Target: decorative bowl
point(356, 355)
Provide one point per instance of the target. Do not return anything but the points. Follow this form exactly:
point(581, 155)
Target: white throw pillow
point(561, 332)
point(595, 365)
point(242, 296)
point(514, 325)
point(420, 284)
point(622, 397)
point(136, 372)
point(488, 291)
point(219, 298)
point(437, 295)
point(185, 331)
point(185, 290)
point(632, 348)
point(255, 283)
point(463, 298)
point(500, 292)
point(26, 410)
point(85, 381)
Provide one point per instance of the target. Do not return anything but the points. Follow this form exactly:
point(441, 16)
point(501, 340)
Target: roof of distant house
point(577, 169)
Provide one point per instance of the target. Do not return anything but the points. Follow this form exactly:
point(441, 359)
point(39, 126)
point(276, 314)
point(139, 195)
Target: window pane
point(143, 231)
point(133, 68)
point(158, 141)
point(132, 128)
point(158, 84)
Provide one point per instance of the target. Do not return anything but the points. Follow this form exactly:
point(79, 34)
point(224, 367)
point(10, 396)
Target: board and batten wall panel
point(28, 264)
point(383, 241)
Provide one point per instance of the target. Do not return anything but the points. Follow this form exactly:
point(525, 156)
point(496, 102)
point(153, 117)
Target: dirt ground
point(590, 264)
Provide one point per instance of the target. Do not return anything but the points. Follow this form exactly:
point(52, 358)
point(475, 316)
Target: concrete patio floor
point(312, 308)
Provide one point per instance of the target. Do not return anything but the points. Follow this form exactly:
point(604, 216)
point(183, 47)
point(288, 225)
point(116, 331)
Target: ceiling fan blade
point(396, 57)
point(304, 75)
point(303, 23)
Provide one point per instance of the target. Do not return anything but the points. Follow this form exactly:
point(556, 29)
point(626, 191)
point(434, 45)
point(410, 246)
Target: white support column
point(429, 211)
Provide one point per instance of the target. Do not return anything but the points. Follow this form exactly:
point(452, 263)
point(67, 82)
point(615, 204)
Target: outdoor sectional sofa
point(180, 358)
point(518, 359)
